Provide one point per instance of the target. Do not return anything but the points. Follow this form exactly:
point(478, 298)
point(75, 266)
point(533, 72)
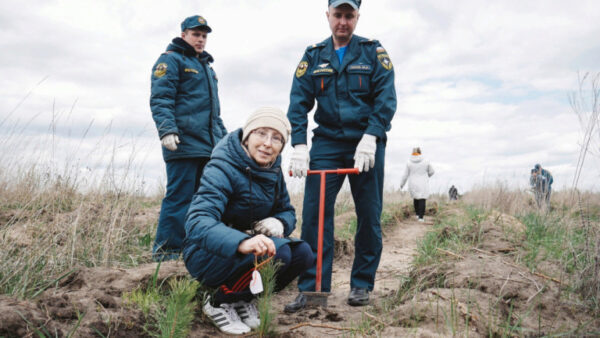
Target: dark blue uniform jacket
point(353, 98)
point(184, 101)
point(234, 193)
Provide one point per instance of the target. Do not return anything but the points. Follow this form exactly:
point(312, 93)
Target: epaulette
point(167, 52)
point(369, 41)
point(316, 45)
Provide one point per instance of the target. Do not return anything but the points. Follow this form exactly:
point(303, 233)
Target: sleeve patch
point(160, 70)
point(385, 61)
point(301, 70)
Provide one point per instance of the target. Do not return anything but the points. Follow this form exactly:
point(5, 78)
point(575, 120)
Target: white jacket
point(418, 170)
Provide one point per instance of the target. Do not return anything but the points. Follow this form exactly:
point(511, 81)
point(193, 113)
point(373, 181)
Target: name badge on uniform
point(361, 68)
point(323, 71)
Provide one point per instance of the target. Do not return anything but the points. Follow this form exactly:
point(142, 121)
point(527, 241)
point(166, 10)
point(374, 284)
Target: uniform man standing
point(352, 80)
point(185, 107)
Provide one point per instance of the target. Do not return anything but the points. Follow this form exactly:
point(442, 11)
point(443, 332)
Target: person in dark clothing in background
point(453, 193)
point(541, 182)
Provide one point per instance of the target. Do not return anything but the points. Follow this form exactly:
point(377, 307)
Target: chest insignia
point(190, 70)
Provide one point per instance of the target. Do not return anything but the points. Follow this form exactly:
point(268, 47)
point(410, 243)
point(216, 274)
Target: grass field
point(49, 229)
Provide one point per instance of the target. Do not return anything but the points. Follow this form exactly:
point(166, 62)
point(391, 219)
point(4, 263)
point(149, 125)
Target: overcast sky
point(483, 87)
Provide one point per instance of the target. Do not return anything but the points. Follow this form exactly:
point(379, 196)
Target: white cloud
point(482, 87)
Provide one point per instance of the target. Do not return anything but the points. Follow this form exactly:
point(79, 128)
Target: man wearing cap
point(352, 80)
point(185, 106)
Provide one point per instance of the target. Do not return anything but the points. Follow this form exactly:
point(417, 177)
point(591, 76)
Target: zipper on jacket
point(248, 171)
point(211, 91)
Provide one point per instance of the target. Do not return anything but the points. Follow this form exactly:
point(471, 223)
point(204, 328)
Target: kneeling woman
point(241, 211)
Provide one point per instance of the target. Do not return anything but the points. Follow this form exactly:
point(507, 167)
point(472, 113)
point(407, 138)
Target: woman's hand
point(258, 245)
point(269, 226)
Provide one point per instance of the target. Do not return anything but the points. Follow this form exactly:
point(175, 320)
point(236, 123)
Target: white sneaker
point(225, 318)
point(421, 220)
point(248, 312)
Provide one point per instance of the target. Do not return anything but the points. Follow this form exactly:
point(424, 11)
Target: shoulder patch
point(160, 70)
point(301, 69)
point(380, 50)
point(385, 61)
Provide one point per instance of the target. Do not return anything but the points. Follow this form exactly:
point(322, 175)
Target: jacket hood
point(180, 46)
point(230, 150)
point(416, 158)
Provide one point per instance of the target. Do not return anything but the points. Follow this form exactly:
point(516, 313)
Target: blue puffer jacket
point(185, 101)
point(234, 193)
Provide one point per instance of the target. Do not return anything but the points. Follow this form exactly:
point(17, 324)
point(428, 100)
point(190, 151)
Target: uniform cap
point(336, 3)
point(195, 21)
point(267, 117)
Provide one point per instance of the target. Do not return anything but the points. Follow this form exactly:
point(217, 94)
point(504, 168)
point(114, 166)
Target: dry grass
point(49, 226)
point(567, 235)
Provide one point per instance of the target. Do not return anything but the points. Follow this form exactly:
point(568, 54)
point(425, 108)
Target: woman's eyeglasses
point(276, 139)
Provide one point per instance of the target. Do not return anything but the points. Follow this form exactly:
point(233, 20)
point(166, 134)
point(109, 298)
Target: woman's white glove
point(170, 141)
point(364, 157)
point(300, 160)
point(269, 226)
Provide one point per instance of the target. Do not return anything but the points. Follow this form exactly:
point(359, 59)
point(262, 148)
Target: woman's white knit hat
point(268, 117)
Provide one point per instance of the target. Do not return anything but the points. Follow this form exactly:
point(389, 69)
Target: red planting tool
point(318, 297)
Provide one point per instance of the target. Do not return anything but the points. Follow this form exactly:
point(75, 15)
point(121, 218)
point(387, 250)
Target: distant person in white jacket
point(418, 170)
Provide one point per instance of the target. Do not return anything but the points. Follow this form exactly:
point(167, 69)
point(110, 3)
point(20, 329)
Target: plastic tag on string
point(256, 285)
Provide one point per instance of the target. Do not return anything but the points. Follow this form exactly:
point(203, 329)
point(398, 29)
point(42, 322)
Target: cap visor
point(336, 4)
point(205, 27)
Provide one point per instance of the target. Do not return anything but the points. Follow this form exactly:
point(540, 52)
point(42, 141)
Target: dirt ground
point(399, 246)
point(480, 294)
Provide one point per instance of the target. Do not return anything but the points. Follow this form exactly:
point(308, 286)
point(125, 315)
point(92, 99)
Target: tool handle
point(332, 171)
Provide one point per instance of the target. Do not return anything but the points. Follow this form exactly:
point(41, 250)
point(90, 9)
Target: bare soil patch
point(92, 294)
point(483, 292)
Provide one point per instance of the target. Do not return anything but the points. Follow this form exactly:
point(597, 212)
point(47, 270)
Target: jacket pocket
point(323, 80)
point(359, 77)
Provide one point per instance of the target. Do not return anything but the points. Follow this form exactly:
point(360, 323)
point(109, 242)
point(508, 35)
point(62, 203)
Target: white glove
point(364, 157)
point(269, 226)
point(170, 141)
point(300, 160)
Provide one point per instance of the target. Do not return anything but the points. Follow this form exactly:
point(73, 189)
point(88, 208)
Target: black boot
point(358, 297)
point(298, 304)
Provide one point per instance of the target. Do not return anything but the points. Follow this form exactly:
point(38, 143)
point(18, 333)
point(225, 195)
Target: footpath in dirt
point(399, 247)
